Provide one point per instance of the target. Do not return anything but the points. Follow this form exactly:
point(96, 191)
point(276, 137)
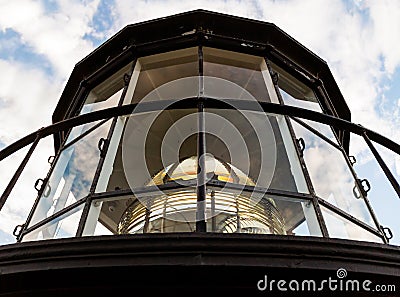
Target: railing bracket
point(387, 233)
point(301, 145)
point(352, 160)
point(17, 231)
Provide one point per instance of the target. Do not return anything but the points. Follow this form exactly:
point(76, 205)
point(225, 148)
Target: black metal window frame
point(304, 169)
point(288, 111)
point(292, 112)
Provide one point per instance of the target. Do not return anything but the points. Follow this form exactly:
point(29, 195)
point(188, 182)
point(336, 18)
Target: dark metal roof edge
point(197, 12)
point(98, 56)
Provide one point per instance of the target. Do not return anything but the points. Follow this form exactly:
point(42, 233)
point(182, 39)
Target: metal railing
point(293, 112)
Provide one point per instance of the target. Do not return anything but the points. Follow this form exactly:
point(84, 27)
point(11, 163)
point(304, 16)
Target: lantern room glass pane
point(22, 196)
point(294, 92)
point(107, 93)
point(167, 76)
point(228, 211)
point(258, 144)
point(143, 144)
point(382, 196)
point(325, 130)
point(240, 76)
point(63, 226)
point(331, 176)
point(339, 227)
point(237, 211)
point(72, 175)
point(77, 131)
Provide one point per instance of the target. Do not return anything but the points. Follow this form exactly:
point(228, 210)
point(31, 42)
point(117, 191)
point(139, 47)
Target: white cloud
point(385, 18)
point(28, 97)
point(352, 40)
point(58, 36)
point(21, 200)
point(128, 12)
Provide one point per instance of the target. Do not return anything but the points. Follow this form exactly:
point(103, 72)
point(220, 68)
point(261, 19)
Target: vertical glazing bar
point(110, 134)
point(238, 223)
point(164, 215)
point(103, 153)
point(213, 218)
point(201, 150)
point(149, 203)
point(201, 172)
point(18, 173)
point(350, 166)
point(383, 165)
point(366, 200)
point(85, 212)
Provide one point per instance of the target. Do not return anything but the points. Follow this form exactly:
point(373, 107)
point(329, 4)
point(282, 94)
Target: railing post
point(383, 165)
point(21, 168)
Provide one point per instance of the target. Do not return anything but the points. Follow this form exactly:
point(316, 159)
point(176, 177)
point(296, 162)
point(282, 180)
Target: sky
point(42, 40)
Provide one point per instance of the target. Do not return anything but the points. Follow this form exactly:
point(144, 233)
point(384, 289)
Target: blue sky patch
point(50, 5)
point(12, 48)
point(6, 238)
point(356, 7)
point(389, 104)
point(393, 93)
point(102, 22)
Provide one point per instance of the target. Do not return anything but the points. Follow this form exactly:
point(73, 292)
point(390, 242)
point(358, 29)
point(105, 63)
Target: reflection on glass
point(22, 196)
point(234, 211)
point(175, 75)
point(72, 175)
point(286, 145)
point(227, 211)
point(331, 175)
point(63, 226)
point(382, 196)
point(154, 71)
point(79, 130)
point(241, 138)
point(391, 159)
point(149, 142)
point(258, 144)
point(107, 93)
point(173, 212)
point(325, 130)
point(93, 105)
point(294, 92)
point(302, 103)
point(187, 170)
point(248, 75)
point(339, 227)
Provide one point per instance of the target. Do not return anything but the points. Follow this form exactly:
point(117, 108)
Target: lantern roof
point(210, 29)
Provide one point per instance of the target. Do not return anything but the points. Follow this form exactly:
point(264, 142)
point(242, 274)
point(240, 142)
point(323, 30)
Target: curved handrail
point(211, 103)
point(192, 102)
